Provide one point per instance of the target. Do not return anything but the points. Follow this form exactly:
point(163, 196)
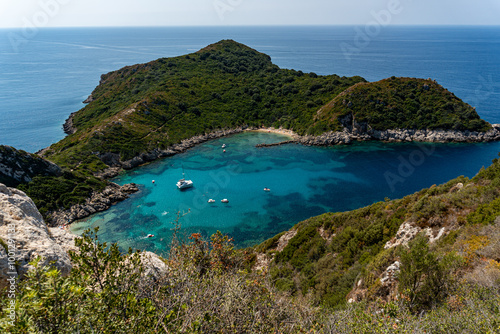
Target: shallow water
point(304, 182)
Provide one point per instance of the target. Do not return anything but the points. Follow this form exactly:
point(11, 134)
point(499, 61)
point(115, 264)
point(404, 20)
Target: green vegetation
point(425, 281)
point(404, 103)
point(206, 289)
point(452, 285)
point(51, 193)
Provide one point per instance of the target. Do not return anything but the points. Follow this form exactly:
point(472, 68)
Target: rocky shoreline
point(98, 202)
point(116, 165)
point(347, 136)
point(391, 136)
point(402, 135)
point(68, 126)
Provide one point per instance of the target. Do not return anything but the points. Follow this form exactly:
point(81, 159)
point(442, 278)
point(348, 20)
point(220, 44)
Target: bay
point(303, 181)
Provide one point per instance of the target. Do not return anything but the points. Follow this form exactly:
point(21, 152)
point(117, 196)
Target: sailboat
point(183, 183)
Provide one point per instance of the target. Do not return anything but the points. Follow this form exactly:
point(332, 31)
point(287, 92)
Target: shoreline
point(114, 193)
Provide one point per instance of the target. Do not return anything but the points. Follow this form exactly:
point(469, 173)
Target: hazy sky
point(57, 13)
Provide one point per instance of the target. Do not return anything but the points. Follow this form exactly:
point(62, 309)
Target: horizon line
point(258, 25)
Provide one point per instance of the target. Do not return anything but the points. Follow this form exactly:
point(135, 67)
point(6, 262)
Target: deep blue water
point(46, 76)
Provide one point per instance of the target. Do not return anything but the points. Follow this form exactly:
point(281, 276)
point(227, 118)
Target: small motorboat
point(211, 201)
point(225, 200)
point(223, 145)
point(267, 189)
point(149, 235)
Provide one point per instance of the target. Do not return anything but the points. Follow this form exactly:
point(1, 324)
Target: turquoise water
point(304, 182)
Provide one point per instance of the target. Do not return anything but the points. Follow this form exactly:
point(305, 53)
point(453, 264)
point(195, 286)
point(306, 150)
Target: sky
point(67, 13)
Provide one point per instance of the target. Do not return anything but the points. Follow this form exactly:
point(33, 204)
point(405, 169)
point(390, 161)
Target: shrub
point(424, 279)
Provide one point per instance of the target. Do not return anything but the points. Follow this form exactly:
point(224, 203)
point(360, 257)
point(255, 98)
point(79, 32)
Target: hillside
point(18, 167)
point(155, 105)
point(402, 103)
point(146, 111)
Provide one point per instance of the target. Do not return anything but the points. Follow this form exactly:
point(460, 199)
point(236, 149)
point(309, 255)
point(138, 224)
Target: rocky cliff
point(24, 236)
point(20, 167)
point(363, 132)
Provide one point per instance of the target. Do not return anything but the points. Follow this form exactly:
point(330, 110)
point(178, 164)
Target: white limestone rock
point(24, 231)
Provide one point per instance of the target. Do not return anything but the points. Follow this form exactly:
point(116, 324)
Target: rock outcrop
point(99, 201)
point(20, 167)
point(408, 230)
point(154, 268)
point(24, 236)
point(68, 126)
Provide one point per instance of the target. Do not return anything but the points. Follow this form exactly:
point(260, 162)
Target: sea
point(45, 74)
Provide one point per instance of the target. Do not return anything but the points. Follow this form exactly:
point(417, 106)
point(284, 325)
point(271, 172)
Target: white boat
point(183, 183)
point(211, 201)
point(225, 200)
point(267, 189)
point(223, 145)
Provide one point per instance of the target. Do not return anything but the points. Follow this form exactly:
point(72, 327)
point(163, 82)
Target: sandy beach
point(284, 132)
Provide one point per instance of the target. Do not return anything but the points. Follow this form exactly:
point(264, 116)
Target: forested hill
point(226, 85)
point(403, 103)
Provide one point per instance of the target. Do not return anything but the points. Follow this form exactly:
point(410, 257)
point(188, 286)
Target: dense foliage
point(404, 103)
point(206, 289)
point(51, 193)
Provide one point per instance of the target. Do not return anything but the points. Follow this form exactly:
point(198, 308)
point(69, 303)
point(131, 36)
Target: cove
point(304, 181)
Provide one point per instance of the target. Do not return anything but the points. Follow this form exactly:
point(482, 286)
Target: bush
point(424, 280)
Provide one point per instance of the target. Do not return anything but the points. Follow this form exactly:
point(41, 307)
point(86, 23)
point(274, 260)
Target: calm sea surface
point(45, 76)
